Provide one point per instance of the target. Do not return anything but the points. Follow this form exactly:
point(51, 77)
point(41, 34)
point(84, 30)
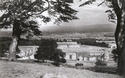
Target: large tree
point(19, 15)
point(48, 51)
point(116, 9)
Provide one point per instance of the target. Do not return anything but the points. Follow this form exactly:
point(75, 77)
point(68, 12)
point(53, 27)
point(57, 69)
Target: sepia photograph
point(62, 38)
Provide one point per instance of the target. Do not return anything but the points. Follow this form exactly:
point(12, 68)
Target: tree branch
point(116, 7)
point(33, 4)
point(87, 2)
point(101, 3)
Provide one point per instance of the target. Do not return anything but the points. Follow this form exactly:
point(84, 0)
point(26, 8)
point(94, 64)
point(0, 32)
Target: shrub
point(115, 55)
point(58, 57)
point(101, 63)
point(4, 47)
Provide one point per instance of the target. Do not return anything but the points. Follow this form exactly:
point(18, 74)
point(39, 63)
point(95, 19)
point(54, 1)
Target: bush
point(63, 60)
point(4, 47)
point(58, 57)
point(101, 63)
point(78, 64)
point(115, 55)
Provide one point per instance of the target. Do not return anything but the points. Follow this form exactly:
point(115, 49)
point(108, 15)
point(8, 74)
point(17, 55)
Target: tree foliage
point(58, 57)
point(18, 14)
point(48, 51)
point(110, 12)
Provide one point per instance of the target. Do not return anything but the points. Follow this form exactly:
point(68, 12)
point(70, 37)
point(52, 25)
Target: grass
point(35, 70)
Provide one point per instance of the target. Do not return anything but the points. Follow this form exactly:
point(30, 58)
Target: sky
point(91, 18)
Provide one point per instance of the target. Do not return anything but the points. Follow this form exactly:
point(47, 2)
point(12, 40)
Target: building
point(27, 52)
point(79, 52)
point(73, 51)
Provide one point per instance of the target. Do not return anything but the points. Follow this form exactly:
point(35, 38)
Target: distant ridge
point(99, 28)
point(81, 29)
point(9, 33)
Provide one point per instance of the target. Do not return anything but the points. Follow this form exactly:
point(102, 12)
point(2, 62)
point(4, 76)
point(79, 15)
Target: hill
point(78, 35)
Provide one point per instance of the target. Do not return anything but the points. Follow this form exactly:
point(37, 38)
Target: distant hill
point(81, 29)
point(66, 34)
point(95, 35)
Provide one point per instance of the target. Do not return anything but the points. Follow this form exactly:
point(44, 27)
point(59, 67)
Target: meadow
point(36, 70)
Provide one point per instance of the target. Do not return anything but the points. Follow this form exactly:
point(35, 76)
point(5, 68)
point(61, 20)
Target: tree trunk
point(15, 37)
point(123, 60)
point(118, 43)
point(13, 48)
point(121, 42)
point(119, 8)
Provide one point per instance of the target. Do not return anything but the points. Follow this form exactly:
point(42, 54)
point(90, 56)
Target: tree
point(19, 15)
point(116, 12)
point(48, 51)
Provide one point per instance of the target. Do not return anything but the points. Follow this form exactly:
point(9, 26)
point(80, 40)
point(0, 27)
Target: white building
point(27, 52)
point(75, 51)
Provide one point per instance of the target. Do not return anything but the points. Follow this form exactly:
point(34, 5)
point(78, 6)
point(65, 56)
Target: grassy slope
point(26, 70)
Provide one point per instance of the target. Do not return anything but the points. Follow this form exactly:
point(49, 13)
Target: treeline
point(89, 41)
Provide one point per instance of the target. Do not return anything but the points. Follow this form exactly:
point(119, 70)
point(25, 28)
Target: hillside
point(29, 70)
point(66, 34)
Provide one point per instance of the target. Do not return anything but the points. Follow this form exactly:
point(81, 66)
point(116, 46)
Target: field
point(30, 70)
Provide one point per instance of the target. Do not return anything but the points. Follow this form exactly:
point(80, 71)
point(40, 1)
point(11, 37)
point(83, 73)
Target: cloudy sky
point(91, 18)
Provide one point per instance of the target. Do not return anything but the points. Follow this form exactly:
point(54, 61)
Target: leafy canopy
point(108, 3)
point(19, 14)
